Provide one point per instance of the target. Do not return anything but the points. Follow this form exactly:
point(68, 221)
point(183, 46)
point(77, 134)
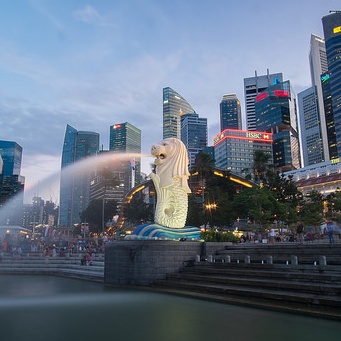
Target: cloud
point(88, 15)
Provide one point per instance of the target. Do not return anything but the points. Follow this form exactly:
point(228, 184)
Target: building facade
point(276, 112)
point(332, 36)
point(234, 149)
point(230, 113)
point(126, 139)
point(329, 118)
point(324, 177)
point(76, 174)
point(253, 86)
point(318, 66)
point(11, 183)
point(193, 135)
point(310, 127)
point(174, 106)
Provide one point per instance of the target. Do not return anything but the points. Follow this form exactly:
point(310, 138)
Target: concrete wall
point(140, 262)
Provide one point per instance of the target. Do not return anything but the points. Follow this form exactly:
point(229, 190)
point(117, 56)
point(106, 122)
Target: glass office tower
point(75, 184)
point(230, 113)
point(174, 105)
point(332, 36)
point(276, 112)
point(318, 66)
point(193, 135)
point(126, 138)
point(11, 184)
point(310, 127)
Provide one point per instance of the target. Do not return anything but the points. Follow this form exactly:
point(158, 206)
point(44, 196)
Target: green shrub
point(211, 236)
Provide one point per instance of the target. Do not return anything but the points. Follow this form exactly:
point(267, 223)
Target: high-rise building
point(174, 106)
point(11, 183)
point(332, 36)
point(126, 138)
point(276, 112)
point(310, 127)
point(319, 66)
point(193, 135)
point(234, 149)
point(329, 117)
point(75, 185)
point(253, 86)
point(11, 153)
point(230, 113)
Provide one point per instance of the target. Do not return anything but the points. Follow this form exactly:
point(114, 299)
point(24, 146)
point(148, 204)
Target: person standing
point(300, 231)
point(330, 231)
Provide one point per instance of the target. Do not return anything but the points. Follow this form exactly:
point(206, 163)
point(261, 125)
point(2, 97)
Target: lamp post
point(209, 207)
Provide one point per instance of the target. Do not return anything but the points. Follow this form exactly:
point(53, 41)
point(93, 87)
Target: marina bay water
point(48, 308)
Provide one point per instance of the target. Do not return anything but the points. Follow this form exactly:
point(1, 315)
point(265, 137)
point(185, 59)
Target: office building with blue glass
point(193, 135)
point(125, 138)
point(75, 181)
point(230, 113)
point(11, 183)
point(276, 113)
point(332, 36)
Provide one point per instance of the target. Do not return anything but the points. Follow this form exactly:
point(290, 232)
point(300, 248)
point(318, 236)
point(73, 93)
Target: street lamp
point(209, 207)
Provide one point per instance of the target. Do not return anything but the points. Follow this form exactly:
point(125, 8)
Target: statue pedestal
point(140, 262)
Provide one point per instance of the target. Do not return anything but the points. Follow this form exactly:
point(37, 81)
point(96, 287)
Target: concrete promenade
point(291, 277)
point(68, 265)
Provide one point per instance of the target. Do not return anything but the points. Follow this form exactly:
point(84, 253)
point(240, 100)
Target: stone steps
point(305, 290)
point(62, 266)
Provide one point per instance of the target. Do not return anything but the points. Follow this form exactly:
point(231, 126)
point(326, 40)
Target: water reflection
point(52, 308)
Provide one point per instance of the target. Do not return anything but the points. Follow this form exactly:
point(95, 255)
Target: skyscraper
point(193, 135)
point(329, 117)
point(230, 113)
point(332, 36)
point(11, 153)
point(75, 185)
point(174, 105)
point(310, 127)
point(253, 86)
point(276, 112)
point(318, 66)
point(126, 138)
point(11, 183)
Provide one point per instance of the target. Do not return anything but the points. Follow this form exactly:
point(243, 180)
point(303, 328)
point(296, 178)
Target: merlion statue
point(171, 184)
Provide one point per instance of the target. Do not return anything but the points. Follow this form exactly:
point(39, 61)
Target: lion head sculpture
point(171, 161)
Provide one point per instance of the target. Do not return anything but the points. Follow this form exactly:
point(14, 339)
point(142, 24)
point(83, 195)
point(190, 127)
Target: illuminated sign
point(255, 135)
point(337, 29)
point(242, 135)
point(261, 96)
point(117, 126)
point(281, 93)
point(325, 77)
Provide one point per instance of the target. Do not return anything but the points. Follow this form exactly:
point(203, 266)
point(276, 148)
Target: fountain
point(171, 185)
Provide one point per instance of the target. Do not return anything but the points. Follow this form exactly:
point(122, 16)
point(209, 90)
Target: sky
point(95, 63)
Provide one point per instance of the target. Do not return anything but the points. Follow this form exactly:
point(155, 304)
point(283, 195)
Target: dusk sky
point(95, 63)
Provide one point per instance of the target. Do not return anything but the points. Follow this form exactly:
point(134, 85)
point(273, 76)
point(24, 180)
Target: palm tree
point(204, 166)
point(260, 165)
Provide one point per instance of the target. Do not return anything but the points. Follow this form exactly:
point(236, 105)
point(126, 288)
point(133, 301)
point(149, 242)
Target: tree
point(260, 165)
point(312, 210)
point(204, 166)
point(195, 213)
point(256, 204)
point(93, 213)
point(137, 211)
